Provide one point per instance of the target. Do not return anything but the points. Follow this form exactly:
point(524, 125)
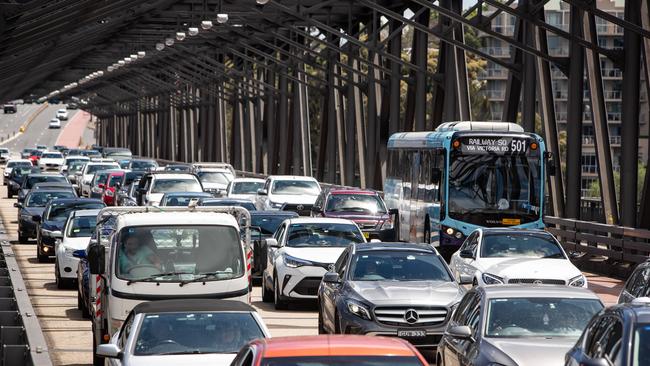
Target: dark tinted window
point(61, 211)
point(41, 198)
point(267, 224)
point(361, 203)
point(323, 234)
point(31, 181)
point(247, 205)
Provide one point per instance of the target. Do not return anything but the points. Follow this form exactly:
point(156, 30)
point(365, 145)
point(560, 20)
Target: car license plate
point(366, 235)
point(412, 333)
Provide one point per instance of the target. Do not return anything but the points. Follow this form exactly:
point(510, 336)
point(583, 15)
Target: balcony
point(591, 140)
point(495, 94)
point(611, 73)
point(613, 94)
point(493, 73)
point(589, 169)
point(497, 51)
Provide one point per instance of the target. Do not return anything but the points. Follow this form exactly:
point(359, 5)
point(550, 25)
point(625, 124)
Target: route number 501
point(518, 146)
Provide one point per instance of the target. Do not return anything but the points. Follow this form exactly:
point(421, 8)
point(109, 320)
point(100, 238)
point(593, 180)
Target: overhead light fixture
point(121, 62)
point(100, 73)
point(169, 41)
point(160, 46)
point(206, 24)
point(192, 31)
point(262, 2)
point(128, 59)
point(73, 85)
point(180, 36)
point(110, 69)
point(222, 18)
point(141, 54)
point(134, 57)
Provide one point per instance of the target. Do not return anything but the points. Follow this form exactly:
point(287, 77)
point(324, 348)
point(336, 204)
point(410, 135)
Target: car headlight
point(492, 279)
point(276, 204)
point(294, 262)
point(578, 281)
point(387, 225)
point(358, 309)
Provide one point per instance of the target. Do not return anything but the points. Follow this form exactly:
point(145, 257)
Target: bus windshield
point(494, 190)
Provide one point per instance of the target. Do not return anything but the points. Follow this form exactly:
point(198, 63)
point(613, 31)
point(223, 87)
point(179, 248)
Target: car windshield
point(246, 187)
point(295, 187)
point(539, 317)
point(37, 153)
point(323, 234)
point(362, 203)
point(267, 224)
point(179, 253)
point(129, 177)
point(176, 185)
point(31, 181)
point(343, 361)
point(178, 200)
point(12, 164)
point(398, 266)
point(214, 177)
point(90, 153)
point(143, 164)
point(97, 167)
point(52, 156)
point(520, 245)
point(61, 211)
point(81, 226)
point(21, 170)
point(115, 179)
point(76, 166)
point(641, 348)
point(101, 178)
point(71, 161)
point(199, 332)
point(247, 205)
point(41, 198)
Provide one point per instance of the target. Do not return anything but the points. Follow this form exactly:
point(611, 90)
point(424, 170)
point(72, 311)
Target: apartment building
point(609, 36)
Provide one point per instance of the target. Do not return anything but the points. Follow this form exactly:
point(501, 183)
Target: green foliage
point(594, 188)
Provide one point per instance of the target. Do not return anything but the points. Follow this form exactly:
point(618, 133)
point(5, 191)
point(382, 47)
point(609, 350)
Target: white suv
point(300, 253)
point(51, 160)
point(62, 114)
point(294, 193)
point(215, 181)
point(154, 185)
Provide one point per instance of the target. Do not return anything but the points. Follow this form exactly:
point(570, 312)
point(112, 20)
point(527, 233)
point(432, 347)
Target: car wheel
point(280, 304)
point(267, 295)
point(22, 238)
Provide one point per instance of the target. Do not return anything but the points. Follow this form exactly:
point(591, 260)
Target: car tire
point(267, 295)
point(9, 194)
point(22, 238)
point(280, 304)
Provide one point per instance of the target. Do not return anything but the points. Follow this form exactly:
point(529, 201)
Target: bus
point(464, 175)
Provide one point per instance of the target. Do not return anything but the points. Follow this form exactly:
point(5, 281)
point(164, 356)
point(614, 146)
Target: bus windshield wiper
point(203, 276)
point(154, 277)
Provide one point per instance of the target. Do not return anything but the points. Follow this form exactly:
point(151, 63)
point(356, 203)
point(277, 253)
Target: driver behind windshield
point(137, 251)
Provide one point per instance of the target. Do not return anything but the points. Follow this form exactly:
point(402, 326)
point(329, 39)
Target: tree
point(594, 188)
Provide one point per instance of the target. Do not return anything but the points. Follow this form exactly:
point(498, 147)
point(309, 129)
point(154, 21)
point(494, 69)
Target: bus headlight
point(449, 231)
point(458, 235)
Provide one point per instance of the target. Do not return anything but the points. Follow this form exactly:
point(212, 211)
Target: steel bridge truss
point(317, 87)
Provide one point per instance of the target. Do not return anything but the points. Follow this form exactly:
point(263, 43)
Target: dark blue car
point(182, 198)
point(54, 217)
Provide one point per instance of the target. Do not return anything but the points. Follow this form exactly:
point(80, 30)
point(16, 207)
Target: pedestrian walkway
point(71, 135)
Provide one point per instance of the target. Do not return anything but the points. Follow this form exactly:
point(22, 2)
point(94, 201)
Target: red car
point(363, 206)
point(36, 156)
point(113, 182)
point(329, 350)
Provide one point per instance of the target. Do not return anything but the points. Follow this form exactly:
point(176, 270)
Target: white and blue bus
point(462, 176)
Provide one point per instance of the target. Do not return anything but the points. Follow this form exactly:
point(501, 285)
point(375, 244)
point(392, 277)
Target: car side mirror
point(262, 192)
point(465, 279)
point(96, 259)
point(595, 362)
point(550, 163)
point(467, 254)
point(272, 243)
point(109, 350)
point(393, 212)
point(316, 209)
point(101, 185)
point(36, 218)
point(460, 332)
point(331, 277)
point(81, 253)
point(18, 205)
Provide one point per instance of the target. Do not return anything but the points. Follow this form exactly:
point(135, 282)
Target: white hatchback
point(491, 256)
point(300, 253)
point(75, 236)
point(55, 123)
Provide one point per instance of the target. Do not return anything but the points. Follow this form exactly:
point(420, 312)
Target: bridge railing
point(617, 243)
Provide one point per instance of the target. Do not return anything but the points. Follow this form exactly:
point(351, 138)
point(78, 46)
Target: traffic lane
point(10, 123)
point(38, 132)
point(68, 335)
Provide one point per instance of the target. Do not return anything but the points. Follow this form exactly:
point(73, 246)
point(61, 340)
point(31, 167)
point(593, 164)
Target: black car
point(618, 335)
point(389, 289)
point(54, 216)
point(16, 178)
point(33, 179)
point(637, 285)
point(247, 204)
point(263, 226)
point(29, 212)
point(13, 164)
point(178, 168)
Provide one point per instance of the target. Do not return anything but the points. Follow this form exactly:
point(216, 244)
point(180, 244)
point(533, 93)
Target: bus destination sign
point(495, 145)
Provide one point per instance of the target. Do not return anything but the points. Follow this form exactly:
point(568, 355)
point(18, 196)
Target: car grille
point(308, 286)
point(425, 315)
point(300, 209)
point(536, 281)
point(366, 225)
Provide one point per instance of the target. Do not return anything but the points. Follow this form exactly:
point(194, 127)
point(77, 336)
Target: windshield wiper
point(202, 276)
point(153, 278)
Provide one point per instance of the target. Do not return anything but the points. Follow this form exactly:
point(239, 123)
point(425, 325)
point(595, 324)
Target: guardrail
point(21, 339)
point(617, 243)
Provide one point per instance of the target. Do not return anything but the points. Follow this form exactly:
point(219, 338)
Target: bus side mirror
point(436, 175)
point(96, 259)
point(550, 163)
